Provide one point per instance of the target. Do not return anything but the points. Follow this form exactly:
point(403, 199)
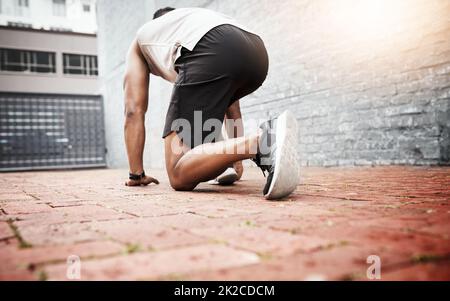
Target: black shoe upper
point(265, 156)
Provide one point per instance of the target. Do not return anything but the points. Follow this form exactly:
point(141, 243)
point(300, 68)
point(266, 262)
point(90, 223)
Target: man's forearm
point(135, 140)
point(235, 128)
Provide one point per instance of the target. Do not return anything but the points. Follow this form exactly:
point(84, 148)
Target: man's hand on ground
point(144, 181)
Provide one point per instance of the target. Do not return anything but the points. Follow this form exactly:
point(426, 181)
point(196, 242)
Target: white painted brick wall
point(359, 98)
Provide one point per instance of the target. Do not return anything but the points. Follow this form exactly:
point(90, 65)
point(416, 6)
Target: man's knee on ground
point(179, 185)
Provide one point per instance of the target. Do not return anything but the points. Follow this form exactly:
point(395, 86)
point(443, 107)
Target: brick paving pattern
point(326, 230)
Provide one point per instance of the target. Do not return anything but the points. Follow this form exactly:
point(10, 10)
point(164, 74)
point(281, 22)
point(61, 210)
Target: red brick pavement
point(326, 230)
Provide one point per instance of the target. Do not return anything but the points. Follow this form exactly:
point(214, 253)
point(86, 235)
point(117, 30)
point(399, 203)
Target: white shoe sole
point(228, 177)
point(286, 176)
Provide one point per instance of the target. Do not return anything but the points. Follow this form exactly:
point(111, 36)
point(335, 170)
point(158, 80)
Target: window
point(27, 61)
point(59, 8)
point(19, 24)
point(80, 64)
point(61, 29)
point(21, 8)
point(86, 8)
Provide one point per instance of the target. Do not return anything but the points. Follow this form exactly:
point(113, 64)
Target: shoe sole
point(286, 175)
point(228, 177)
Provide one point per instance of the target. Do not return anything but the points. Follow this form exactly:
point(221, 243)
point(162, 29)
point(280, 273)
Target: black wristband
point(135, 177)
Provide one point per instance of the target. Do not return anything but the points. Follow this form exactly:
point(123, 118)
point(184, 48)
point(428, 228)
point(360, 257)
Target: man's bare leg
point(187, 168)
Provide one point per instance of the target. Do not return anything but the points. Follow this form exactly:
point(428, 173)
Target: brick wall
point(369, 84)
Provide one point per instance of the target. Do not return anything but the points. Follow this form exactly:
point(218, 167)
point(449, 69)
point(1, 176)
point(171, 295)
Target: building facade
point(51, 113)
point(54, 15)
point(369, 81)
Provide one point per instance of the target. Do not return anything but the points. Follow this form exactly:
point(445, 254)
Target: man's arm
point(235, 130)
point(135, 85)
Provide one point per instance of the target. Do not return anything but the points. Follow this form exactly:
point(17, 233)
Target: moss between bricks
point(426, 258)
point(352, 276)
point(42, 276)
point(23, 244)
point(264, 256)
point(330, 246)
point(133, 248)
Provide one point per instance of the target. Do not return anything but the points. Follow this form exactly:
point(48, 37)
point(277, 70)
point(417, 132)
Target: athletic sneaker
point(228, 177)
point(277, 155)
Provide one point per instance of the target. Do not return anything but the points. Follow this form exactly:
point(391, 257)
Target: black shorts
point(227, 64)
